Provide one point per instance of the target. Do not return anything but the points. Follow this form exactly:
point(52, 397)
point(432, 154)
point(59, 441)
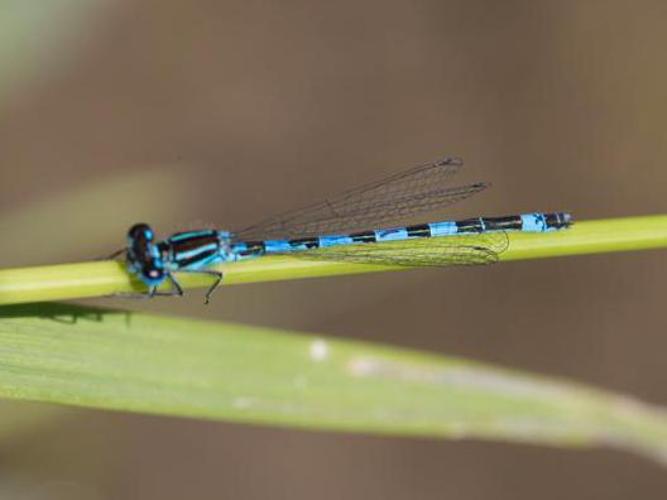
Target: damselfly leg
point(216, 275)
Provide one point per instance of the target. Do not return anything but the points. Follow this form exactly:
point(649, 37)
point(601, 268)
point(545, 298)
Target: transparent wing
point(389, 200)
point(463, 250)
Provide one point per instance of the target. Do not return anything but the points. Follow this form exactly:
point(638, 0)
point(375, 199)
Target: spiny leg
point(218, 280)
point(176, 289)
point(176, 286)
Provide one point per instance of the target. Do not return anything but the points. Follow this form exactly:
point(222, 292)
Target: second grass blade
point(183, 367)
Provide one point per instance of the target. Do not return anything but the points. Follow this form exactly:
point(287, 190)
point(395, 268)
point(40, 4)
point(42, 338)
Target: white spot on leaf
point(243, 403)
point(319, 350)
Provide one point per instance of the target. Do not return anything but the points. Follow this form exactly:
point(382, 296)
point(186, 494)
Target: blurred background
point(224, 112)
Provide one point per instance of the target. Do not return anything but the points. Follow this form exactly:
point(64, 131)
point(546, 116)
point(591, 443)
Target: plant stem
point(91, 279)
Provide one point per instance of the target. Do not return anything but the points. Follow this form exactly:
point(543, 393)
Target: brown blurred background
point(223, 112)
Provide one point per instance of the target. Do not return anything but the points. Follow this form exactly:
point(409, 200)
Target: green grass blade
point(183, 367)
point(91, 279)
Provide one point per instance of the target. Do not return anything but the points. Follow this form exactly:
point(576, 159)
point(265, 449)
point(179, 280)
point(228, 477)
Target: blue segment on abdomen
point(240, 247)
point(394, 234)
point(534, 223)
point(333, 240)
point(277, 246)
point(299, 246)
point(444, 228)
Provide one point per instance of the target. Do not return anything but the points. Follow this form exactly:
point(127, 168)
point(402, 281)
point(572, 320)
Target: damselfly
point(335, 229)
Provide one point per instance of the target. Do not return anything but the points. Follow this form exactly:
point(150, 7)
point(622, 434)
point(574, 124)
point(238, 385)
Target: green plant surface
point(93, 279)
point(190, 368)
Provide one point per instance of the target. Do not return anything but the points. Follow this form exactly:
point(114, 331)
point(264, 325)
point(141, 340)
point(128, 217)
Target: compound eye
point(141, 231)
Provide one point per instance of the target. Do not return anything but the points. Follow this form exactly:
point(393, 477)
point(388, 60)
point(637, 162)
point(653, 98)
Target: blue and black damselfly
point(335, 229)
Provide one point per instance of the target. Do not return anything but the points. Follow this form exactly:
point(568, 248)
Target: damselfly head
point(143, 255)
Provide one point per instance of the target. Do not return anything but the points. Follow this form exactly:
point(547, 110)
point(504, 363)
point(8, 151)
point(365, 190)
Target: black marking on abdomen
point(254, 248)
point(363, 237)
point(307, 242)
point(419, 231)
point(510, 222)
point(557, 220)
point(469, 226)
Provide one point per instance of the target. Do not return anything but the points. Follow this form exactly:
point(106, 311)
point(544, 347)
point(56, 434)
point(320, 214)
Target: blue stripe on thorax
point(190, 234)
point(196, 251)
point(212, 259)
point(197, 264)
